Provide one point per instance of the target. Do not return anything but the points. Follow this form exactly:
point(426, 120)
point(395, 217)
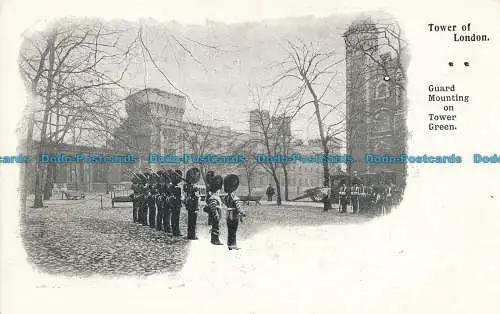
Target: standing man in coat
point(191, 200)
point(234, 213)
point(270, 193)
point(214, 203)
point(175, 204)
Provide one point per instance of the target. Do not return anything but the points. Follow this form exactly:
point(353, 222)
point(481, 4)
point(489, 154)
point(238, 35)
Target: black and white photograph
point(147, 136)
point(236, 156)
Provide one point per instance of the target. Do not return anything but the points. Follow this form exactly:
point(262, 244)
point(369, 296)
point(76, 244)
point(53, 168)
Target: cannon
point(315, 194)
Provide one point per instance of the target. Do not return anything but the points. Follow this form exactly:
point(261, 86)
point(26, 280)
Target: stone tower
point(154, 123)
point(361, 39)
point(375, 106)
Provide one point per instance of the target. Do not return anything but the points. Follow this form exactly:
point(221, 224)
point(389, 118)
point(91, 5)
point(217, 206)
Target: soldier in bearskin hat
point(175, 202)
point(161, 200)
point(214, 208)
point(151, 200)
point(343, 197)
point(191, 201)
point(135, 198)
point(142, 201)
point(234, 213)
point(208, 177)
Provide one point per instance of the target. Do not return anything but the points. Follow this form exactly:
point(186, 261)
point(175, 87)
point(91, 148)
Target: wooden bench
point(124, 194)
point(73, 195)
point(247, 200)
point(120, 199)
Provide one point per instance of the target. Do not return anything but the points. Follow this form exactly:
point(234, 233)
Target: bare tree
point(376, 41)
point(75, 69)
point(64, 67)
point(247, 148)
point(271, 120)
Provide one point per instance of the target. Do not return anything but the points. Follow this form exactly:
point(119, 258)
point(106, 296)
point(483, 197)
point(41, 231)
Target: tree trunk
point(249, 189)
point(40, 170)
point(278, 188)
point(326, 178)
point(249, 183)
point(324, 141)
point(38, 186)
point(285, 173)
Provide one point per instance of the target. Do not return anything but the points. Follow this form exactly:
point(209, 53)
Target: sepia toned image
point(144, 136)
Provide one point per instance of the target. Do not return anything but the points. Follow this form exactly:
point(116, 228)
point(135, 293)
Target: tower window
point(382, 90)
point(382, 122)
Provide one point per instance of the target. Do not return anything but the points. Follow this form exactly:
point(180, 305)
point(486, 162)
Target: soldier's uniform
point(389, 197)
point(175, 194)
point(380, 193)
point(363, 198)
point(160, 200)
point(234, 213)
point(214, 204)
point(167, 199)
point(135, 196)
point(191, 203)
point(151, 200)
point(142, 202)
point(343, 199)
point(208, 178)
point(355, 195)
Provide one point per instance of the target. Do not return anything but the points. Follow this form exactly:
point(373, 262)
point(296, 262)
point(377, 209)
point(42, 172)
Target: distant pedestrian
point(270, 193)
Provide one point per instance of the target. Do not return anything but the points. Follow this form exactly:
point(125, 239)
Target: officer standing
point(270, 193)
point(134, 196)
point(143, 204)
point(343, 198)
point(167, 200)
point(214, 209)
point(191, 201)
point(208, 177)
point(175, 204)
point(355, 193)
point(234, 213)
point(160, 200)
point(151, 199)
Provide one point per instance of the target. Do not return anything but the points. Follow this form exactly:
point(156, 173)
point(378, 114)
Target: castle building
point(375, 101)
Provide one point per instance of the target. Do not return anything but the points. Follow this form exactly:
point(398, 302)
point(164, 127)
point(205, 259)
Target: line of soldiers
point(158, 197)
point(380, 197)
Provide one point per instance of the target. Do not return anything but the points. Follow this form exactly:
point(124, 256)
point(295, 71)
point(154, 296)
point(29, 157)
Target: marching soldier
point(191, 201)
point(234, 213)
point(175, 204)
point(343, 198)
point(214, 209)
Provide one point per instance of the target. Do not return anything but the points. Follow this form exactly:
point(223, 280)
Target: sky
point(219, 66)
point(219, 81)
